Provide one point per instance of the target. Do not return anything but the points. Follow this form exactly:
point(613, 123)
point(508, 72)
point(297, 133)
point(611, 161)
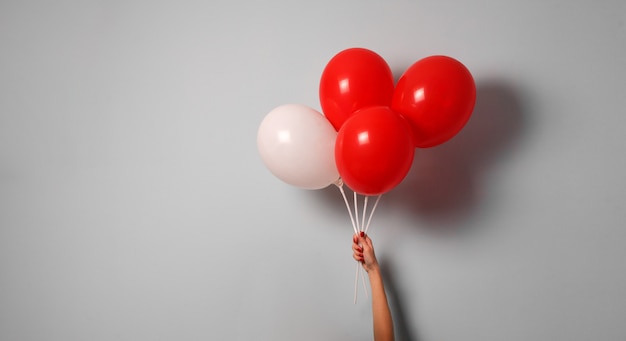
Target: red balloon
point(354, 79)
point(437, 96)
point(374, 150)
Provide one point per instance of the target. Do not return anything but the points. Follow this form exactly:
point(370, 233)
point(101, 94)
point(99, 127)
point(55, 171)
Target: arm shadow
point(401, 321)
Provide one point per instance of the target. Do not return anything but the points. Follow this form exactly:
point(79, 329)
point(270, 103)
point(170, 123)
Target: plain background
point(134, 205)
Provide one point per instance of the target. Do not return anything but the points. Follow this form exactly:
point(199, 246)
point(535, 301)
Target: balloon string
point(369, 220)
point(364, 210)
point(362, 229)
point(348, 207)
point(354, 226)
point(362, 271)
point(358, 264)
point(356, 211)
point(357, 229)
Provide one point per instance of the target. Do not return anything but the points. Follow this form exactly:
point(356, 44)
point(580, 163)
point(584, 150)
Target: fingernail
point(362, 234)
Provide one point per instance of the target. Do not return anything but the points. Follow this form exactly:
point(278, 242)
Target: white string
point(363, 280)
point(369, 220)
point(358, 228)
point(348, 207)
point(356, 212)
point(362, 229)
point(356, 231)
point(364, 210)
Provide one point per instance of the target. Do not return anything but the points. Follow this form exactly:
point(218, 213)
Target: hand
point(363, 251)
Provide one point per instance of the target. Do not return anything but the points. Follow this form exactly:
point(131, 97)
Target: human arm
point(364, 252)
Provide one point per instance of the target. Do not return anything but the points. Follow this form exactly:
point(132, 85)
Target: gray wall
point(134, 205)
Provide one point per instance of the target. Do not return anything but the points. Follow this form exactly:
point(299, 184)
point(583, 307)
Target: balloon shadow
point(333, 201)
point(444, 184)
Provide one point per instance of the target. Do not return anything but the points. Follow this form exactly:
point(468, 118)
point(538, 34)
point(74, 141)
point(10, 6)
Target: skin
point(363, 252)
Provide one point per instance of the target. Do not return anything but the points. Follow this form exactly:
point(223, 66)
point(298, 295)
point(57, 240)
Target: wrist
point(373, 269)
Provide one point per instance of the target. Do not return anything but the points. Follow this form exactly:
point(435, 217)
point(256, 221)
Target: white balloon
point(297, 144)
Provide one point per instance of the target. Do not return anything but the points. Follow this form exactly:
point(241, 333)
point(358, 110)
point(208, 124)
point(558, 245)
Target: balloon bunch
point(370, 128)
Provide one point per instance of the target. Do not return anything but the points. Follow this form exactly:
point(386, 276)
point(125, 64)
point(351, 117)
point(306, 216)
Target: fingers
point(357, 252)
point(358, 238)
point(358, 258)
point(366, 242)
point(362, 239)
point(361, 243)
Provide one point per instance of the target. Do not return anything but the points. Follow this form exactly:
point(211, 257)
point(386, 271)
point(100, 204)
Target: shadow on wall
point(402, 328)
point(444, 183)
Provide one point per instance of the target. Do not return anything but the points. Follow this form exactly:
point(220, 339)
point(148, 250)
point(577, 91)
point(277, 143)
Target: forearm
point(383, 324)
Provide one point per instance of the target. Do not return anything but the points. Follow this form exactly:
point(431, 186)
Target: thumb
point(367, 240)
point(364, 240)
